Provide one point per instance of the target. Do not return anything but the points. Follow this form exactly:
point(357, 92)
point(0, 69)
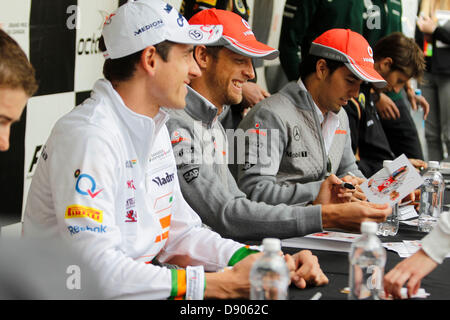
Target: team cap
point(350, 48)
point(237, 35)
point(142, 23)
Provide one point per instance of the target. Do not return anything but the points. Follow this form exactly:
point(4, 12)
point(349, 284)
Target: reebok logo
point(76, 229)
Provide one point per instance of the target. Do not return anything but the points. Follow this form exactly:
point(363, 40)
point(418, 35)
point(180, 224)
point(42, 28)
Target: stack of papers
point(406, 248)
point(414, 222)
point(407, 212)
point(445, 167)
point(327, 240)
point(421, 293)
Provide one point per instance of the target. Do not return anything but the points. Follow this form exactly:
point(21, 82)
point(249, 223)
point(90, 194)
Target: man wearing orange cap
point(312, 127)
point(200, 147)
point(252, 92)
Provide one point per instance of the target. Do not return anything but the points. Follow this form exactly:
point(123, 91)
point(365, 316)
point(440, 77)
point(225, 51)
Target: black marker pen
point(347, 185)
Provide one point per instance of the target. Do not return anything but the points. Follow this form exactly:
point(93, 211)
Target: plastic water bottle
point(431, 197)
point(367, 259)
point(390, 226)
point(269, 276)
point(418, 92)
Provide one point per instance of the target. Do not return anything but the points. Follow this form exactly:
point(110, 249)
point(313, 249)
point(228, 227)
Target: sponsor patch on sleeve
point(191, 175)
point(78, 211)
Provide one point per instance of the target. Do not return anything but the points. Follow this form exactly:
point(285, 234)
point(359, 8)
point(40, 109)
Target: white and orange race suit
point(106, 183)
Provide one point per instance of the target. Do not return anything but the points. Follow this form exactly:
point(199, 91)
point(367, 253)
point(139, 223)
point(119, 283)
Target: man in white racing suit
point(107, 184)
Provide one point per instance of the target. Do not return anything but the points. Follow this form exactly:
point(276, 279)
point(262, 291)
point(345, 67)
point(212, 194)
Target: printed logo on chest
point(161, 181)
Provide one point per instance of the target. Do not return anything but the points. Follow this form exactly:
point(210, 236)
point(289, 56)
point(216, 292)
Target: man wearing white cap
point(313, 130)
point(202, 153)
point(107, 184)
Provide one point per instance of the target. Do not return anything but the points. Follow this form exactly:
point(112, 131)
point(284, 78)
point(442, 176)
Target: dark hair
point(122, 69)
point(308, 65)
point(214, 51)
point(15, 69)
point(404, 52)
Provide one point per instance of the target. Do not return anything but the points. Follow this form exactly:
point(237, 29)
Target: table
point(336, 267)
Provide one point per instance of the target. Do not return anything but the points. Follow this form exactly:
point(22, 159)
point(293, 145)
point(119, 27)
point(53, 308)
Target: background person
point(17, 85)
point(382, 18)
point(397, 60)
point(25, 272)
point(434, 38)
point(435, 247)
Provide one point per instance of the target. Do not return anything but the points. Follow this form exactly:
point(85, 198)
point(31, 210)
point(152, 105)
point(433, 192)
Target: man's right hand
point(233, 283)
point(332, 192)
point(411, 270)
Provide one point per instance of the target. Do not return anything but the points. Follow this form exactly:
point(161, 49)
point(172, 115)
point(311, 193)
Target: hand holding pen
point(358, 194)
point(334, 190)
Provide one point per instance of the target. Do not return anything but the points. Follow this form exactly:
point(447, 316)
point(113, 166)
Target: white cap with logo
point(142, 23)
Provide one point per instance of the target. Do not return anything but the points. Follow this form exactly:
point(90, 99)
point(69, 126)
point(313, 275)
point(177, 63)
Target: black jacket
point(369, 142)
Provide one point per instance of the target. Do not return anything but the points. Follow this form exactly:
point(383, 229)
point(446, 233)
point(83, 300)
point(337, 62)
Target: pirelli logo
point(77, 211)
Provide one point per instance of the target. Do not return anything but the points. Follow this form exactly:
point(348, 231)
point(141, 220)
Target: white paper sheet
point(393, 183)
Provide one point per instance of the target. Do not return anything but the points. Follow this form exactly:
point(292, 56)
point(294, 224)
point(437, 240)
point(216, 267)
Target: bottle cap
point(433, 164)
point(272, 244)
point(369, 227)
point(386, 162)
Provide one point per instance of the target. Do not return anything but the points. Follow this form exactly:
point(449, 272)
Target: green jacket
point(190, 7)
point(381, 18)
point(305, 20)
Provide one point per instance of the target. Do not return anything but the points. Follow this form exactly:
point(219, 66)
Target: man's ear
point(201, 56)
point(321, 69)
point(148, 59)
point(386, 65)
